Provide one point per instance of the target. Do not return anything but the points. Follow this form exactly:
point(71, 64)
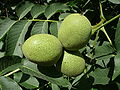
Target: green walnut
point(74, 32)
point(43, 49)
point(72, 64)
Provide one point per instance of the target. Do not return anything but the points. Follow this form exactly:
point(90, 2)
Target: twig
point(12, 72)
point(107, 22)
point(43, 20)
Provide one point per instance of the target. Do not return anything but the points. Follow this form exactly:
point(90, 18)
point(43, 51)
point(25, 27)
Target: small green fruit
point(43, 49)
point(72, 65)
point(74, 32)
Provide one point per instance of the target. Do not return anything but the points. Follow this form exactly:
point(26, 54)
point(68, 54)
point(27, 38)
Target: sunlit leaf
point(15, 38)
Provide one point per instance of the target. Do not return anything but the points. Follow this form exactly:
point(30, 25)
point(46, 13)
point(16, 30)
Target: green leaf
point(5, 26)
point(117, 36)
point(93, 89)
point(37, 10)
point(2, 54)
point(31, 83)
point(62, 16)
point(84, 83)
point(10, 68)
point(54, 28)
point(100, 76)
point(18, 76)
point(115, 1)
point(15, 38)
point(103, 50)
point(23, 9)
point(9, 63)
point(117, 66)
point(55, 7)
point(118, 84)
point(104, 60)
point(77, 78)
point(40, 27)
point(55, 87)
point(1, 45)
point(8, 84)
point(31, 69)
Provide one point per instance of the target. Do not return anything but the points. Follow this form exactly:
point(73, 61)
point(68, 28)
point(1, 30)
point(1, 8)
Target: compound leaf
point(5, 26)
point(40, 27)
point(31, 69)
point(53, 8)
point(117, 66)
point(8, 84)
point(37, 10)
point(117, 36)
point(23, 9)
point(15, 38)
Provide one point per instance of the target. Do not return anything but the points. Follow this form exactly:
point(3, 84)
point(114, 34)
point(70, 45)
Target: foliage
point(21, 19)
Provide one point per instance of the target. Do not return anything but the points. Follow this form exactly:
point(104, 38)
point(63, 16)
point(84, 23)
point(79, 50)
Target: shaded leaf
point(40, 27)
point(31, 83)
point(15, 38)
point(54, 28)
point(118, 84)
point(93, 89)
point(2, 54)
point(9, 63)
point(104, 60)
point(10, 68)
point(18, 76)
point(55, 87)
point(117, 36)
point(31, 69)
point(100, 76)
point(115, 1)
point(62, 16)
point(77, 78)
point(1, 45)
point(5, 26)
point(117, 66)
point(84, 83)
point(8, 84)
point(103, 50)
point(37, 10)
point(53, 8)
point(23, 9)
